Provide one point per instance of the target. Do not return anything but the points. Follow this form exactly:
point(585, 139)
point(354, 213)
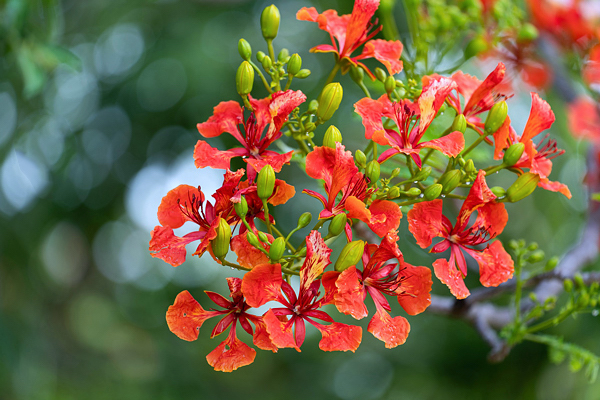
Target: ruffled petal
point(385, 217)
point(451, 277)
point(340, 337)
point(495, 264)
point(261, 337)
point(555, 187)
point(170, 209)
point(207, 156)
point(186, 316)
point(387, 52)
point(479, 195)
point(230, 355)
point(425, 221)
point(281, 336)
point(247, 255)
point(226, 117)
point(392, 331)
point(482, 98)
point(371, 112)
point(168, 247)
point(357, 209)
point(541, 118)
point(415, 289)
point(350, 296)
point(335, 166)
point(317, 258)
point(282, 193)
point(451, 144)
point(277, 162)
point(262, 284)
point(493, 217)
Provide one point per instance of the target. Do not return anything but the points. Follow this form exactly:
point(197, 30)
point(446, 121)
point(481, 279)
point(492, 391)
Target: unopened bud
point(269, 22)
point(475, 47)
point(220, 244)
point(244, 78)
point(361, 159)
point(245, 49)
point(284, 55)
point(513, 154)
point(380, 74)
point(450, 180)
point(498, 191)
point(536, 256)
point(304, 220)
point(260, 56)
point(265, 182)
point(579, 281)
point(266, 63)
point(310, 126)
point(395, 172)
point(241, 208)
point(390, 84)
point(252, 239)
point(423, 174)
point(533, 246)
point(337, 225)
point(527, 33)
point(522, 187)
point(433, 191)
point(470, 167)
point(373, 170)
point(263, 237)
point(551, 263)
point(583, 300)
point(330, 101)
point(568, 285)
point(350, 255)
point(459, 124)
point(413, 192)
point(294, 64)
point(357, 74)
point(277, 248)
point(496, 117)
point(332, 136)
point(393, 193)
point(303, 73)
point(312, 106)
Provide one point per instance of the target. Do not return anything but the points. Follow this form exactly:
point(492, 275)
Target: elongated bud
point(245, 49)
point(459, 124)
point(475, 47)
point(304, 220)
point(332, 136)
point(393, 192)
point(265, 182)
point(413, 192)
point(244, 78)
point(513, 154)
point(522, 187)
point(450, 180)
point(303, 73)
point(330, 101)
point(433, 192)
point(269, 22)
point(241, 208)
point(266, 63)
point(350, 255)
point(263, 237)
point(373, 171)
point(252, 239)
point(551, 264)
point(337, 225)
point(357, 74)
point(260, 56)
point(284, 55)
point(220, 245)
point(423, 174)
point(361, 159)
point(277, 248)
point(395, 172)
point(470, 167)
point(496, 117)
point(380, 74)
point(294, 64)
point(498, 191)
point(390, 84)
point(312, 106)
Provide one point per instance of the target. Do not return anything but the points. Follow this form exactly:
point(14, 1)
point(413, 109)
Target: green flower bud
point(380, 74)
point(357, 74)
point(527, 33)
point(433, 192)
point(361, 159)
point(267, 63)
point(373, 171)
point(269, 22)
point(263, 237)
point(450, 180)
point(241, 208)
point(413, 192)
point(498, 191)
point(568, 285)
point(459, 124)
point(260, 56)
point(583, 300)
point(533, 246)
point(351, 254)
point(332, 136)
point(422, 174)
point(245, 49)
point(244, 78)
point(294, 64)
point(303, 73)
point(470, 167)
point(523, 187)
point(395, 172)
point(579, 281)
point(330, 101)
point(284, 55)
point(277, 248)
point(551, 263)
point(310, 126)
point(393, 193)
point(337, 225)
point(475, 47)
point(220, 244)
point(252, 239)
point(312, 106)
point(390, 84)
point(265, 182)
point(513, 154)
point(304, 220)
point(496, 117)
point(536, 256)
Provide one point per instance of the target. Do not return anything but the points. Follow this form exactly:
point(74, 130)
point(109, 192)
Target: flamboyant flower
point(187, 203)
point(336, 167)
point(264, 283)
point(537, 156)
point(349, 32)
point(268, 114)
point(584, 119)
point(522, 59)
point(410, 285)
point(412, 120)
point(186, 316)
point(426, 221)
point(569, 22)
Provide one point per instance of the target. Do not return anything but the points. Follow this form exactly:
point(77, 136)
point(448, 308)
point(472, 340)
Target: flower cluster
point(282, 291)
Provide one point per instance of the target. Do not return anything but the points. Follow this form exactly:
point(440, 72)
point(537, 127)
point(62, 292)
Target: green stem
point(333, 73)
point(473, 145)
point(262, 77)
point(267, 217)
point(232, 265)
point(286, 238)
point(289, 82)
point(491, 170)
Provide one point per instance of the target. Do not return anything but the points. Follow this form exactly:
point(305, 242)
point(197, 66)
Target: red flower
point(536, 157)
point(186, 316)
point(426, 221)
point(566, 21)
point(264, 283)
point(410, 285)
point(336, 167)
point(349, 32)
point(270, 114)
point(187, 203)
point(412, 121)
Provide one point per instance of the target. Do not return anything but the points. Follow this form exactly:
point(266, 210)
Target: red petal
point(495, 264)
point(541, 118)
point(451, 277)
point(307, 14)
point(169, 211)
point(328, 280)
point(503, 138)
point(317, 258)
point(392, 331)
point(262, 284)
point(425, 221)
point(230, 355)
point(415, 288)
point(482, 98)
point(247, 255)
point(357, 209)
point(492, 216)
point(186, 316)
point(387, 52)
point(280, 336)
point(451, 144)
point(357, 26)
point(335, 166)
point(207, 156)
point(168, 247)
point(282, 193)
point(432, 99)
point(555, 187)
point(350, 296)
point(276, 162)
point(340, 337)
point(261, 337)
point(226, 117)
point(385, 217)
point(479, 195)
point(280, 107)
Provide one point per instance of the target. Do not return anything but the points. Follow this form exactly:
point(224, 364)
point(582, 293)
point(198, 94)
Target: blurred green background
point(98, 105)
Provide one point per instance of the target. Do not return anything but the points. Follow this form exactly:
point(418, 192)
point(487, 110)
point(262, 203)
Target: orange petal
point(495, 264)
point(186, 316)
point(391, 331)
point(385, 217)
point(340, 337)
point(415, 289)
point(230, 355)
point(451, 277)
point(262, 284)
point(169, 211)
point(350, 296)
point(425, 221)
